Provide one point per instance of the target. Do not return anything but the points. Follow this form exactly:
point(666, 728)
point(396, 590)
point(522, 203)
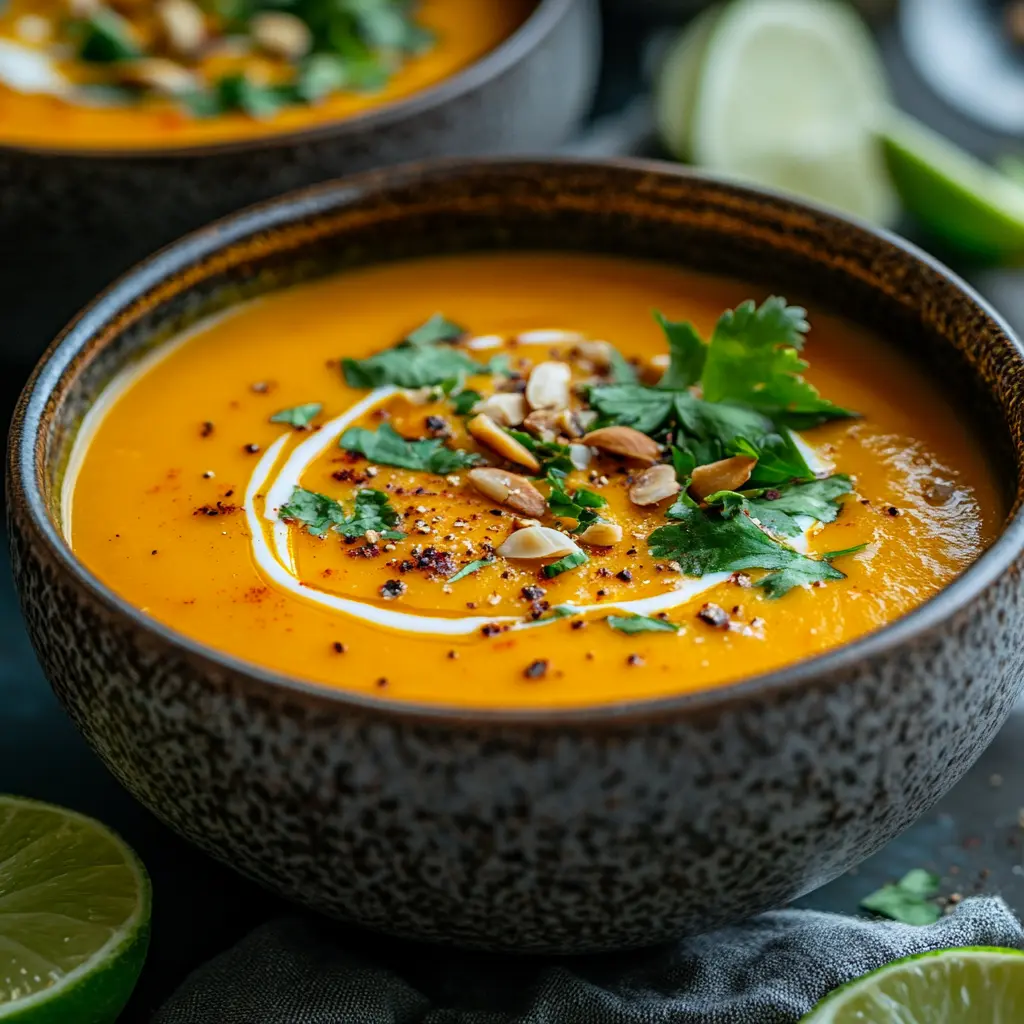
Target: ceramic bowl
point(72, 220)
point(589, 829)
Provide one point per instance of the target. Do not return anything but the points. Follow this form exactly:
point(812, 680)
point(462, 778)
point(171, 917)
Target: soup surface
point(128, 75)
point(311, 484)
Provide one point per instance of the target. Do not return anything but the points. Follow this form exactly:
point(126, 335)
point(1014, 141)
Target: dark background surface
point(973, 838)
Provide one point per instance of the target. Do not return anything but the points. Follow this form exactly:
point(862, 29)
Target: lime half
point(786, 94)
point(959, 199)
point(954, 986)
point(74, 917)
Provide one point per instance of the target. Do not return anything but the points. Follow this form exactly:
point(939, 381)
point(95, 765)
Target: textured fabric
point(770, 970)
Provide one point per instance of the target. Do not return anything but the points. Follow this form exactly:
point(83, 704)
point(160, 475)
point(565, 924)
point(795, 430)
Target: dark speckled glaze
point(70, 222)
point(583, 830)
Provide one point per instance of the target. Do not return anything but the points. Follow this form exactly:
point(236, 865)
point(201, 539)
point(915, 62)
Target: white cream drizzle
point(31, 71)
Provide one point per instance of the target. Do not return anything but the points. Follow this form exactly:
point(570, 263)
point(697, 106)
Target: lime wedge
point(961, 200)
point(679, 80)
point(74, 917)
point(955, 986)
point(788, 94)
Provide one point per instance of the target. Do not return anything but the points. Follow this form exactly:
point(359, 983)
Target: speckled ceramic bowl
point(72, 220)
point(581, 830)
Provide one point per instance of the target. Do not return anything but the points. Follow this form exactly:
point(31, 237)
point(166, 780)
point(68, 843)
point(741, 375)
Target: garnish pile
point(254, 56)
point(705, 450)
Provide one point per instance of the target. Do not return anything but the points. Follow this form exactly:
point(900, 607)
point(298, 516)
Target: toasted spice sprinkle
point(634, 660)
point(453, 655)
point(261, 387)
point(392, 589)
point(220, 509)
point(625, 575)
point(893, 511)
point(437, 426)
point(536, 669)
point(206, 429)
point(713, 615)
point(382, 682)
point(339, 647)
point(532, 593)
point(250, 449)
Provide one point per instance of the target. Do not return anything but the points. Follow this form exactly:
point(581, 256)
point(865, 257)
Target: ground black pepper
point(536, 669)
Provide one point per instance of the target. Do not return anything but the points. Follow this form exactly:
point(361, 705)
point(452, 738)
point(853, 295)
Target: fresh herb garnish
point(570, 561)
point(754, 358)
point(421, 359)
point(470, 568)
point(702, 542)
point(389, 448)
point(104, 38)
point(640, 624)
point(622, 370)
point(552, 456)
point(751, 392)
point(298, 416)
point(778, 510)
point(434, 331)
point(909, 901)
point(409, 367)
point(579, 505)
point(463, 401)
point(320, 513)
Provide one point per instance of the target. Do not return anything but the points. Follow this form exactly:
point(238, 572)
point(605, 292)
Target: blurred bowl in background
point(71, 220)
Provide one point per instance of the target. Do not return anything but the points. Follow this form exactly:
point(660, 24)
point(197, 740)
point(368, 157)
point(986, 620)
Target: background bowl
point(72, 220)
point(570, 831)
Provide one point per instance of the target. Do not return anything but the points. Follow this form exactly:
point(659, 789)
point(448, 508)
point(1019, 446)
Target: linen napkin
point(769, 970)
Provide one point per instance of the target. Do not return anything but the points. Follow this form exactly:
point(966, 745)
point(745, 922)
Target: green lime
point(954, 986)
point(74, 916)
point(958, 198)
point(786, 94)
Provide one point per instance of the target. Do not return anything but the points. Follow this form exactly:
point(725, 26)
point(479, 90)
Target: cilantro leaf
point(105, 37)
point(470, 568)
point(622, 370)
point(408, 367)
point(779, 459)
point(633, 405)
point(372, 511)
point(552, 456)
point(909, 901)
point(320, 513)
point(778, 510)
point(389, 448)
point(703, 543)
point(463, 402)
point(579, 506)
point(298, 416)
point(570, 561)
point(687, 353)
point(754, 358)
point(435, 330)
point(799, 573)
point(630, 624)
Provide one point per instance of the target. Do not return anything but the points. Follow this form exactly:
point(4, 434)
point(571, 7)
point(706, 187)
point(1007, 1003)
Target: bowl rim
point(535, 28)
point(318, 200)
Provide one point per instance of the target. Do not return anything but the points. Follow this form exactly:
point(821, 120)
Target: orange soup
point(130, 75)
point(499, 481)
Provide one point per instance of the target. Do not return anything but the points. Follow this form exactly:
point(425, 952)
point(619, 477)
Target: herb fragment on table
point(631, 624)
point(387, 447)
point(570, 561)
point(909, 901)
point(319, 513)
point(298, 416)
point(470, 568)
